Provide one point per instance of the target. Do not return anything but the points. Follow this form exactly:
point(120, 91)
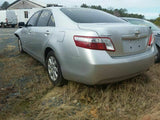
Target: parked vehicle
point(155, 29)
point(8, 18)
point(86, 45)
point(2, 17)
point(24, 14)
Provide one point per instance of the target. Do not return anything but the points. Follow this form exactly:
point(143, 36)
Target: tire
point(20, 46)
point(13, 26)
point(158, 55)
point(54, 70)
point(2, 25)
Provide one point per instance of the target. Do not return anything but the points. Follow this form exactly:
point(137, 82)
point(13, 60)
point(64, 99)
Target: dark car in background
point(155, 29)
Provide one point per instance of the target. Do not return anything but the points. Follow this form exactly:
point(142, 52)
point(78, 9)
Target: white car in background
point(155, 29)
point(8, 18)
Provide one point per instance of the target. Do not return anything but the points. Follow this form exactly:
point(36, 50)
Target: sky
point(149, 8)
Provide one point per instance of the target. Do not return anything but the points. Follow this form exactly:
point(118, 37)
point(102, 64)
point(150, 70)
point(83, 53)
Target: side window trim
point(38, 17)
point(50, 19)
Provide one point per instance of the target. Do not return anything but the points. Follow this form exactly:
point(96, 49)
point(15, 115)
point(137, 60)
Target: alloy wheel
point(53, 68)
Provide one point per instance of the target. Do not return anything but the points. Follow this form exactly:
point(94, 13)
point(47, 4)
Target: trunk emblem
point(137, 33)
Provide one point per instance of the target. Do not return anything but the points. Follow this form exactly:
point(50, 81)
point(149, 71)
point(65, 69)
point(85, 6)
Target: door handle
point(47, 32)
point(29, 32)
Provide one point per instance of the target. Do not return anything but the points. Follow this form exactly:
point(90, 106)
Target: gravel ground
point(7, 38)
point(21, 77)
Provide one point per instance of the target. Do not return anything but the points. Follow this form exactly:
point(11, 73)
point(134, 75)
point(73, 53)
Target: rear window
point(84, 15)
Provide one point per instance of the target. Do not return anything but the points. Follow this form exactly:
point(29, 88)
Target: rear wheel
point(54, 70)
point(158, 55)
point(20, 46)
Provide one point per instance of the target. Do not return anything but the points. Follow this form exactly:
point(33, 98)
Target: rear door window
point(44, 18)
point(33, 20)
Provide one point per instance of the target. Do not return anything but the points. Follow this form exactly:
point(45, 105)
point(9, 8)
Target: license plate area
point(130, 46)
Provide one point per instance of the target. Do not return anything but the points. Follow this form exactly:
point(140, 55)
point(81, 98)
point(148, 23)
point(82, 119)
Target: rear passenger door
point(43, 32)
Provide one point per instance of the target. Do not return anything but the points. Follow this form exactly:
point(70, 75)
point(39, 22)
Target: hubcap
point(53, 68)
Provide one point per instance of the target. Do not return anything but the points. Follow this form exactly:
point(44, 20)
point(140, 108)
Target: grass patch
point(27, 93)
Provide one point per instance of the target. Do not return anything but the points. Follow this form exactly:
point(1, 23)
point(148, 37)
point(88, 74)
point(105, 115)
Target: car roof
point(58, 8)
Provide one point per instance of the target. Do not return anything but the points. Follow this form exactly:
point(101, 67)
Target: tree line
point(4, 6)
point(122, 12)
point(156, 21)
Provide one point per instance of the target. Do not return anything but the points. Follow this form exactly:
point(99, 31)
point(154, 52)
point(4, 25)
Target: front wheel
point(54, 70)
point(20, 46)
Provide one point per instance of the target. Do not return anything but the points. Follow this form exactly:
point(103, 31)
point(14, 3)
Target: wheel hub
point(53, 68)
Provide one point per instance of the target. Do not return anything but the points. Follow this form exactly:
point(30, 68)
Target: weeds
point(27, 93)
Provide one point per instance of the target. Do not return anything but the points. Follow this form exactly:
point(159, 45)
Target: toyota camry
point(86, 45)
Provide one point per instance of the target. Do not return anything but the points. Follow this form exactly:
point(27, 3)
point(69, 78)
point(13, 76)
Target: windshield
point(144, 22)
point(83, 15)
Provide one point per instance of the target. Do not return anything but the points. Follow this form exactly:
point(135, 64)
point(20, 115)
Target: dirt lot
point(27, 94)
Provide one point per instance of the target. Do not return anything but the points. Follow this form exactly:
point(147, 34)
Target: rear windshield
point(83, 15)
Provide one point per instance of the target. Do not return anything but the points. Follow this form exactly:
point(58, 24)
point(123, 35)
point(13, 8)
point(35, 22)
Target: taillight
point(95, 43)
point(151, 40)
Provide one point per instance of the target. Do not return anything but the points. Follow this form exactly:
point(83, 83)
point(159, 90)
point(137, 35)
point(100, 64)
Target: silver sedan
point(86, 45)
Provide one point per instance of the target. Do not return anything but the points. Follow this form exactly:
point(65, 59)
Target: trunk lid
point(128, 39)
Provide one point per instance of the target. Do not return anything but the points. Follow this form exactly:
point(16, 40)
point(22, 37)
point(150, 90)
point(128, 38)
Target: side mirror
point(21, 24)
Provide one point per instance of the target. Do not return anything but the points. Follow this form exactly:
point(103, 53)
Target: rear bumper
point(124, 69)
point(101, 68)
